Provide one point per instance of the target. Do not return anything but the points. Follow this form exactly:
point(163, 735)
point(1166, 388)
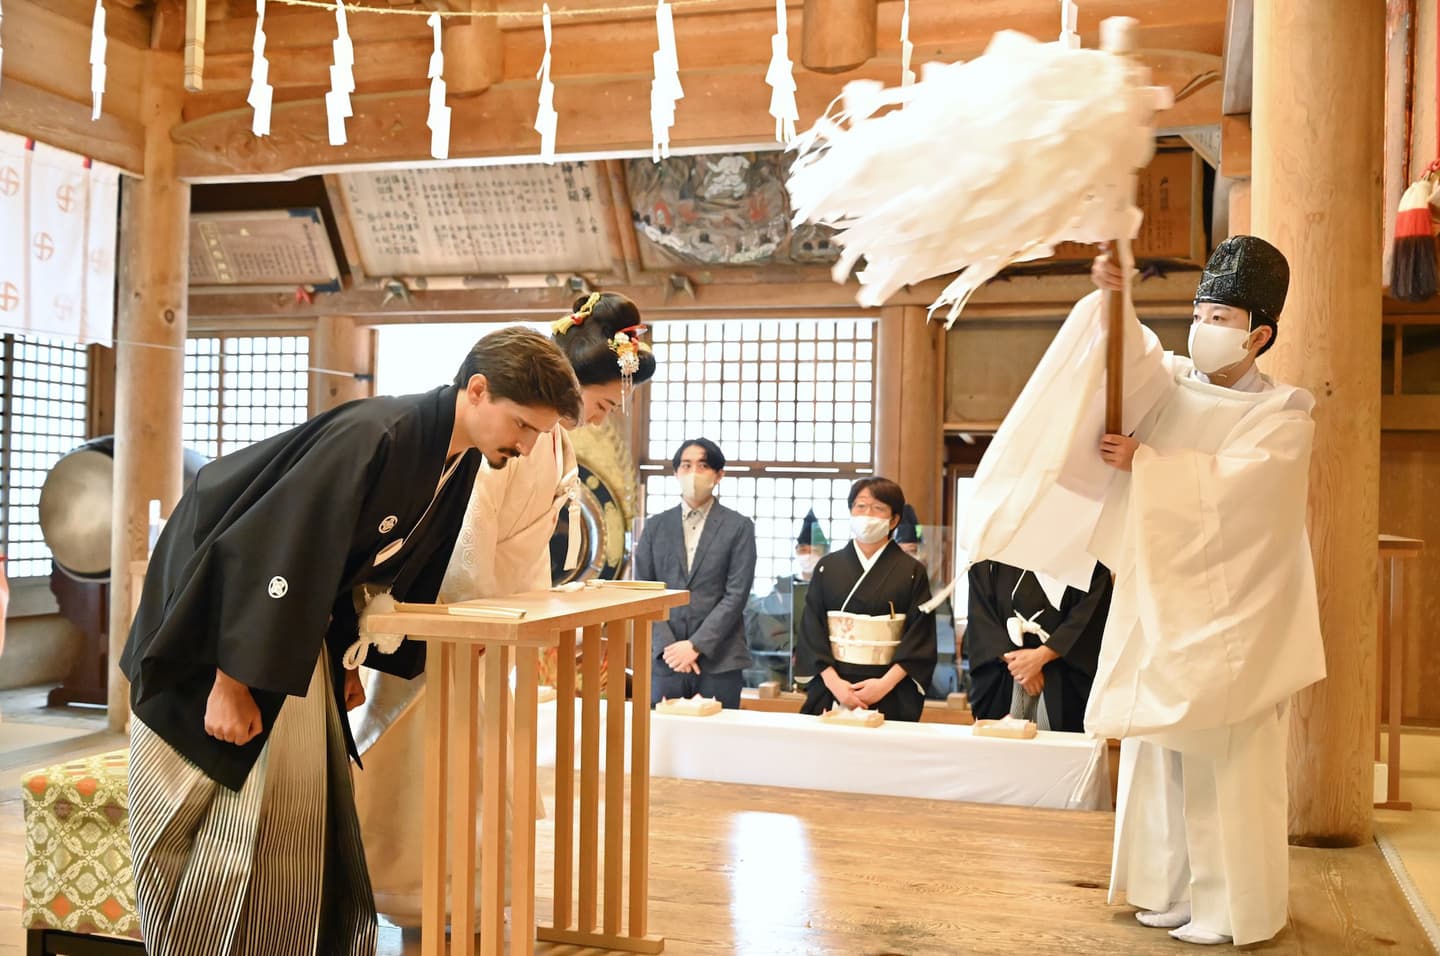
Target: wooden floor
point(754, 870)
point(757, 870)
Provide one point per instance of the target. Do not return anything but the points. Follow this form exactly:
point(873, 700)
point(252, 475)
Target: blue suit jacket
point(719, 583)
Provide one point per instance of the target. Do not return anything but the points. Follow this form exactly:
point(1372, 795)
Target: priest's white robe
point(1214, 622)
point(503, 548)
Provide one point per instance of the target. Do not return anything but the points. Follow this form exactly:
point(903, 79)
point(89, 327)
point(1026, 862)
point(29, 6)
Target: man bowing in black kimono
point(1034, 644)
point(864, 642)
point(242, 821)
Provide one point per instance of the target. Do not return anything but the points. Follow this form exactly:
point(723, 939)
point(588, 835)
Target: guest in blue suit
point(708, 549)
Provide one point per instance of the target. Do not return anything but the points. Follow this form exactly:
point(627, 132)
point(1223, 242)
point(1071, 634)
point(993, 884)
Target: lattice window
point(789, 401)
point(242, 388)
point(43, 409)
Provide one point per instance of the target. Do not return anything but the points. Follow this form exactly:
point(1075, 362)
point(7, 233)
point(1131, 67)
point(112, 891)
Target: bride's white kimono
point(1214, 622)
point(503, 548)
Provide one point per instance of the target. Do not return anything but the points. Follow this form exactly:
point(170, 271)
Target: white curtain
point(57, 242)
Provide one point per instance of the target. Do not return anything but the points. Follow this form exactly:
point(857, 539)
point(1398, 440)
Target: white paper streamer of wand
point(546, 119)
point(781, 77)
point(342, 79)
point(665, 89)
point(907, 49)
point(439, 118)
point(262, 94)
point(97, 60)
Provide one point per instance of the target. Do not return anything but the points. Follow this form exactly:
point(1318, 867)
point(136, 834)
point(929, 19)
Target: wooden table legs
point(1392, 653)
point(590, 875)
point(438, 667)
point(455, 782)
point(453, 707)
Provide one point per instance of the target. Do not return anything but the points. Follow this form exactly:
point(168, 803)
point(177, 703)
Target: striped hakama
point(275, 868)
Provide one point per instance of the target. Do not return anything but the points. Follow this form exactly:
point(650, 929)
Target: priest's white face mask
point(1221, 337)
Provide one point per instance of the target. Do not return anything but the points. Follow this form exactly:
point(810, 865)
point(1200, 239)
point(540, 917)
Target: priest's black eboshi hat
point(1247, 273)
point(811, 533)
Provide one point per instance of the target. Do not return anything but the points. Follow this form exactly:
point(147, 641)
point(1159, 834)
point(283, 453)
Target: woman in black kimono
point(1058, 647)
point(872, 587)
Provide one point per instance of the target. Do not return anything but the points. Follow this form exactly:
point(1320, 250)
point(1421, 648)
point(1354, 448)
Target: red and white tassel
point(1412, 265)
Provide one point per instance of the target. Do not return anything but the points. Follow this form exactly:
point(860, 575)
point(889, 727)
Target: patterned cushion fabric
point(77, 847)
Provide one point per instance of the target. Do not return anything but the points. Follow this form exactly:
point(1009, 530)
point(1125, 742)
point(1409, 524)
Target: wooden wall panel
point(988, 362)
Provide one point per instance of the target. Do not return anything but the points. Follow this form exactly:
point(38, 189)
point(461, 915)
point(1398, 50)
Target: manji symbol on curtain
point(57, 242)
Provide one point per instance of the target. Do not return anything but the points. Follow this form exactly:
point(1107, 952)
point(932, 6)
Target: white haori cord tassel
point(97, 60)
point(546, 119)
point(342, 79)
point(1018, 626)
point(665, 89)
point(262, 94)
point(381, 603)
point(439, 118)
point(781, 77)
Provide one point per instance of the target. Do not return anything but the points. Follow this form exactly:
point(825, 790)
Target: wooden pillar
point(1316, 180)
point(150, 349)
point(340, 350)
point(837, 35)
point(474, 50)
point(910, 427)
point(1239, 200)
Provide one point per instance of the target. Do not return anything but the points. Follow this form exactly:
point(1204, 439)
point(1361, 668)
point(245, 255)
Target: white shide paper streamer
point(907, 49)
point(781, 77)
point(262, 94)
point(97, 60)
point(439, 118)
point(342, 79)
point(545, 117)
point(665, 90)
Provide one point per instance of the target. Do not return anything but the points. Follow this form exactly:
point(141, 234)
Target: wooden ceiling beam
point(722, 108)
point(45, 99)
point(64, 123)
point(761, 291)
point(390, 46)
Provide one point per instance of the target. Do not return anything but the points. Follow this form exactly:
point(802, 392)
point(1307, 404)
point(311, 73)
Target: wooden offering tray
point(853, 718)
point(1006, 727)
point(689, 707)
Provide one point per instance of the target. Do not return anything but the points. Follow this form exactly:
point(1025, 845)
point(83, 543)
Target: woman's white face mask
point(868, 529)
point(1214, 348)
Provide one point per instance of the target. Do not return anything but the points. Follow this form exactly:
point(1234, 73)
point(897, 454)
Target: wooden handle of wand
point(1114, 305)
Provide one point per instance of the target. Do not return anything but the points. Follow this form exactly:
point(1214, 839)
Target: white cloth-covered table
point(930, 761)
